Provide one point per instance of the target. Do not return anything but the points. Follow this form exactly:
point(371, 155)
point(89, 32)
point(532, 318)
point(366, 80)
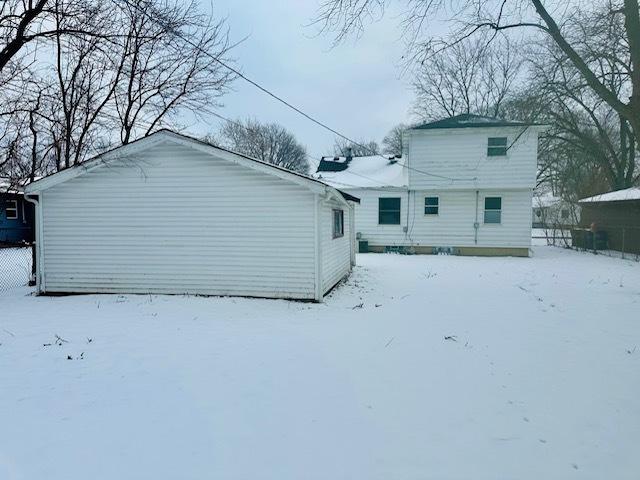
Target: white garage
point(171, 214)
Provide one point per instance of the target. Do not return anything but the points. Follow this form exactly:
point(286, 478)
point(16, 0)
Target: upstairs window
point(338, 223)
point(431, 205)
point(12, 209)
point(493, 210)
point(497, 147)
point(389, 211)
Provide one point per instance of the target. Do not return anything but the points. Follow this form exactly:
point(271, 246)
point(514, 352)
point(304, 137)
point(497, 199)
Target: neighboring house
point(549, 211)
point(171, 214)
point(463, 186)
point(16, 217)
point(615, 216)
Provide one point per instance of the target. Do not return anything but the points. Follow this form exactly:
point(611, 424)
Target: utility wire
point(309, 157)
point(277, 97)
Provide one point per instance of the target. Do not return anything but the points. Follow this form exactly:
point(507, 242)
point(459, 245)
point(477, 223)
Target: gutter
point(39, 256)
point(476, 225)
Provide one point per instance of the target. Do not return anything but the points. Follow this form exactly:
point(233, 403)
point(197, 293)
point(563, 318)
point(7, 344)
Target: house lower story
point(462, 222)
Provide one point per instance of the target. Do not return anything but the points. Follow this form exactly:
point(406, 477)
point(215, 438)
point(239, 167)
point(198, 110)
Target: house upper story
point(462, 152)
point(472, 151)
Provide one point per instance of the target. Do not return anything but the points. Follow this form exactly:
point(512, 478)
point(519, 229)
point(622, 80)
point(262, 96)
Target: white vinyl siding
point(366, 217)
point(336, 252)
point(461, 154)
point(175, 220)
point(454, 224)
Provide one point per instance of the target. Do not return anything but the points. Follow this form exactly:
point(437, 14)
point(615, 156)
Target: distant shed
point(616, 213)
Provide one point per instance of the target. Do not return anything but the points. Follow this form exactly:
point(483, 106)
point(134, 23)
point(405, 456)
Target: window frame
point(498, 150)
point(7, 208)
point(387, 210)
point(499, 210)
point(337, 233)
point(436, 206)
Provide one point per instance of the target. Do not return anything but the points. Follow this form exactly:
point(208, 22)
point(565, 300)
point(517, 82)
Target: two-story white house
point(464, 186)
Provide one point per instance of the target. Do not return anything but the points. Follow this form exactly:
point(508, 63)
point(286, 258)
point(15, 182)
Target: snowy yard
point(420, 367)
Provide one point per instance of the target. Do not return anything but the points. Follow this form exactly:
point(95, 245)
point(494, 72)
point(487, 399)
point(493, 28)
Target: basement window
point(497, 147)
point(431, 205)
point(493, 210)
point(338, 223)
point(12, 209)
point(389, 211)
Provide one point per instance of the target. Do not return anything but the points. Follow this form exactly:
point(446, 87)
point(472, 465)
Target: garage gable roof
point(156, 138)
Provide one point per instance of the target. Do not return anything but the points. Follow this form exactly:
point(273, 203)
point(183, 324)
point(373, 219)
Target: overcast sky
point(355, 87)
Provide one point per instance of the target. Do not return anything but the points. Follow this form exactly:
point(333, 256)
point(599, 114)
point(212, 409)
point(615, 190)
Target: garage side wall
point(336, 252)
point(175, 220)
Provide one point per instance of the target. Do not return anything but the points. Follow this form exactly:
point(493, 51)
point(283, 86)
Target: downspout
point(39, 254)
point(476, 225)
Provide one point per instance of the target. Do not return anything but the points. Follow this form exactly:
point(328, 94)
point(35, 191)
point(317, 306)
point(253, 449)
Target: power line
point(277, 97)
point(309, 157)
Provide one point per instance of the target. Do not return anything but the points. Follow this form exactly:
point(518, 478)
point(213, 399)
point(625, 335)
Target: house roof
point(363, 172)
point(468, 120)
point(627, 194)
point(164, 134)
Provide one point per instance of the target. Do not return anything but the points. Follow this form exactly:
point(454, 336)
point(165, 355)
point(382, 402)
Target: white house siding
point(175, 220)
point(461, 154)
point(336, 252)
point(366, 217)
point(454, 224)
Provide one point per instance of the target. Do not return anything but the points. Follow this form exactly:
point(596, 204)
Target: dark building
point(16, 219)
point(611, 221)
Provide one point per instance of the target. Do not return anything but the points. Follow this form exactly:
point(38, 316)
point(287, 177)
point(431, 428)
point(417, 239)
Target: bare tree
point(360, 148)
point(268, 142)
point(473, 76)
point(545, 19)
point(171, 63)
point(111, 69)
point(392, 143)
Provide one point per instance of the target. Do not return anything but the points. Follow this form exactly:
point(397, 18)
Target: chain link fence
point(15, 266)
point(610, 240)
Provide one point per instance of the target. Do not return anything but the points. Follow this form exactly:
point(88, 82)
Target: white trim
point(485, 210)
point(138, 146)
point(424, 206)
point(340, 234)
point(13, 209)
point(317, 216)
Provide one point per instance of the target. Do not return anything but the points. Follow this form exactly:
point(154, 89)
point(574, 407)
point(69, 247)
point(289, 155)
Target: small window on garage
point(497, 147)
point(431, 205)
point(12, 209)
point(338, 223)
point(493, 210)
point(389, 211)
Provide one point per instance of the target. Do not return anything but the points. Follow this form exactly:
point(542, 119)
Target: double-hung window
point(389, 211)
point(431, 205)
point(497, 147)
point(493, 210)
point(12, 209)
point(338, 223)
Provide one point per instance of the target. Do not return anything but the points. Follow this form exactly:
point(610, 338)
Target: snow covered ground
point(419, 367)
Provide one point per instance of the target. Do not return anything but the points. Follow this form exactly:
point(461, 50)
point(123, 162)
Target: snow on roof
point(467, 120)
point(545, 200)
point(632, 193)
point(363, 172)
